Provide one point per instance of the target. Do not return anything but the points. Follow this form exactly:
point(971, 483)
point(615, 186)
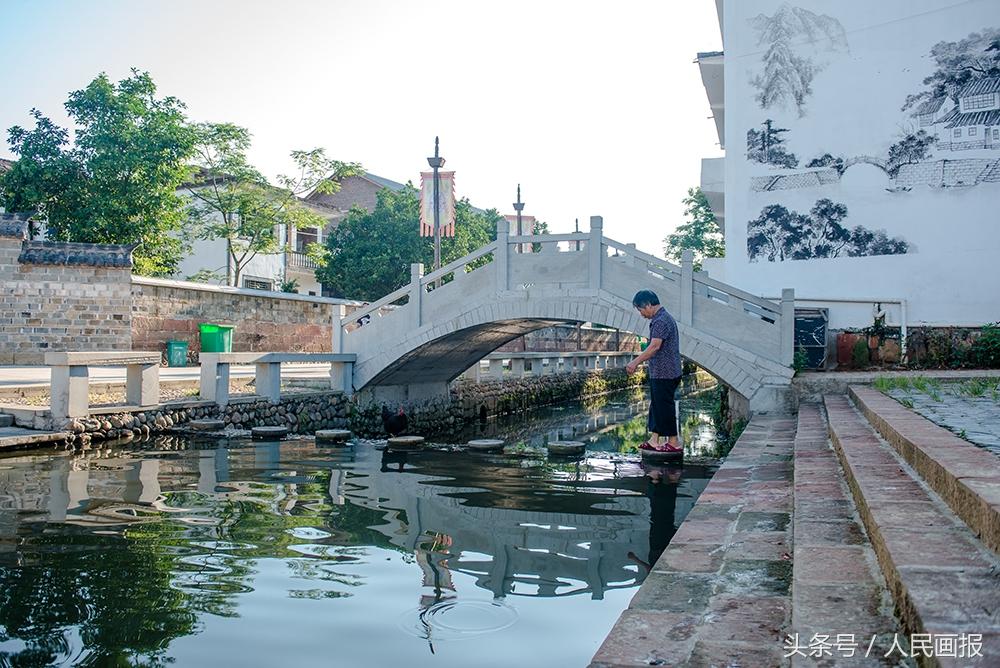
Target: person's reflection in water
point(662, 492)
point(389, 457)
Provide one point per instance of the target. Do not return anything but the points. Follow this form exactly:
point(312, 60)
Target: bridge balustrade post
point(595, 248)
point(686, 305)
point(416, 292)
point(501, 257)
point(787, 326)
point(337, 338)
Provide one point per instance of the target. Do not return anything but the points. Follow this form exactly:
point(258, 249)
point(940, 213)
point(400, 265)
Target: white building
point(828, 184)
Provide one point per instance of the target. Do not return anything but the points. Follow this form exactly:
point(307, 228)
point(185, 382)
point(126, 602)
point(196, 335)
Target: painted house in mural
point(975, 122)
point(862, 156)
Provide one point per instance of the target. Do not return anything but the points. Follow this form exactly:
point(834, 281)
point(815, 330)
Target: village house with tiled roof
point(975, 122)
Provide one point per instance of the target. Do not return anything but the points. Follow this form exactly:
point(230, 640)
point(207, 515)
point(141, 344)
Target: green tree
point(232, 200)
point(116, 182)
point(369, 254)
point(700, 232)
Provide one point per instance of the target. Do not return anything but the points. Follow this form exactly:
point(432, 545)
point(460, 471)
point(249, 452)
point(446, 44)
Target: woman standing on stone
point(664, 357)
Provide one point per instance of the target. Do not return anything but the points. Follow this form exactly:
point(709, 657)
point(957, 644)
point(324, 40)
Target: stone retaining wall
point(265, 322)
point(59, 297)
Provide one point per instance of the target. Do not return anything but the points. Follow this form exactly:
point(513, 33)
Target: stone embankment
point(306, 412)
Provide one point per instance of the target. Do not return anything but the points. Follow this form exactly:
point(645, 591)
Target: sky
point(595, 108)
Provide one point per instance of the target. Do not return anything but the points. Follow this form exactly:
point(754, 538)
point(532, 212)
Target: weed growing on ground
point(961, 434)
point(907, 403)
point(886, 384)
point(976, 387)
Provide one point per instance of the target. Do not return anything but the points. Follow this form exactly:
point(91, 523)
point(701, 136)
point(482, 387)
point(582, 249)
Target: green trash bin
point(177, 353)
point(216, 338)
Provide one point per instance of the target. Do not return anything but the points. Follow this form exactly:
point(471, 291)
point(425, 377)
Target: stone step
point(6, 420)
point(720, 594)
point(942, 578)
point(17, 437)
point(837, 589)
point(965, 476)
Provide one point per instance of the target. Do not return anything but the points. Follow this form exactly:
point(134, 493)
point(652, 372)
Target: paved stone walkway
point(720, 595)
point(976, 419)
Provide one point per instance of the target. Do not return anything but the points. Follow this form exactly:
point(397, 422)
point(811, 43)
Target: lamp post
point(519, 207)
point(436, 163)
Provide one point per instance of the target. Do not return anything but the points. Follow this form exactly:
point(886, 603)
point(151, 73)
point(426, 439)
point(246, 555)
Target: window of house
point(972, 131)
point(957, 132)
point(986, 101)
point(257, 283)
point(304, 237)
point(996, 133)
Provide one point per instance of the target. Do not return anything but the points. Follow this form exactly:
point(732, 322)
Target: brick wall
point(165, 310)
point(52, 307)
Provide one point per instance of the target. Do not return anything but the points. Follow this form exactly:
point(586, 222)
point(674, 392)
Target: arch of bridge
point(451, 347)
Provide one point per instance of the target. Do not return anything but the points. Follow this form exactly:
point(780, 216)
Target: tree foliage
point(767, 146)
point(700, 232)
point(779, 234)
point(231, 200)
point(911, 149)
point(369, 254)
point(959, 64)
point(116, 182)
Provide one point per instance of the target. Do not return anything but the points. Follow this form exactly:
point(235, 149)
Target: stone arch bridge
point(434, 330)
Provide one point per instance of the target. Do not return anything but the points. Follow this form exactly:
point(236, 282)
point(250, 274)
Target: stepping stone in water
point(405, 443)
point(207, 424)
point(486, 445)
point(566, 447)
point(268, 433)
point(654, 456)
point(333, 435)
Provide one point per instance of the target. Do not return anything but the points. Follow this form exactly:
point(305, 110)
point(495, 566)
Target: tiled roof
point(14, 225)
point(6, 165)
point(931, 106)
point(957, 120)
point(76, 254)
point(981, 86)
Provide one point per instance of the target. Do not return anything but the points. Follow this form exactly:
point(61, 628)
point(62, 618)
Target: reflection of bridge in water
point(518, 526)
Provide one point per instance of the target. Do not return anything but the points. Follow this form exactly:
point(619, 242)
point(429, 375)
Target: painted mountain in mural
point(792, 37)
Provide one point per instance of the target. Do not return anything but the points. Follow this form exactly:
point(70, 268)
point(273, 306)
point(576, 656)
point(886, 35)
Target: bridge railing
point(683, 281)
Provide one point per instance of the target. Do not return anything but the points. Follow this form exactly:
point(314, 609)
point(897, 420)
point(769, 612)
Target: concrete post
point(501, 256)
point(214, 379)
point(517, 367)
point(630, 259)
point(70, 386)
point(787, 326)
point(496, 368)
point(687, 287)
point(595, 250)
point(142, 384)
point(268, 381)
point(546, 369)
point(337, 340)
point(416, 292)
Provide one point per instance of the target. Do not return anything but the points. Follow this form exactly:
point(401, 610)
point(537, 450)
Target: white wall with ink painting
point(838, 191)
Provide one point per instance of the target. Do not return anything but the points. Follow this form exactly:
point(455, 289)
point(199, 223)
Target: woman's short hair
point(645, 298)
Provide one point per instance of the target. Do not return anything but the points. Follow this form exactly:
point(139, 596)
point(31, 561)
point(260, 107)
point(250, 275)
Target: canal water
point(196, 553)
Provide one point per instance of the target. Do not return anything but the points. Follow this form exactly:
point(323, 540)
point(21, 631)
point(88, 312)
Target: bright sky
point(596, 108)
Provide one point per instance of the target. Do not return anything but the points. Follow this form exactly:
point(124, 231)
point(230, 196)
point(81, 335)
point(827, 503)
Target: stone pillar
point(546, 369)
point(501, 256)
point(142, 384)
point(595, 250)
point(69, 391)
point(496, 369)
point(687, 287)
point(517, 367)
point(787, 326)
point(268, 381)
point(416, 293)
point(337, 339)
